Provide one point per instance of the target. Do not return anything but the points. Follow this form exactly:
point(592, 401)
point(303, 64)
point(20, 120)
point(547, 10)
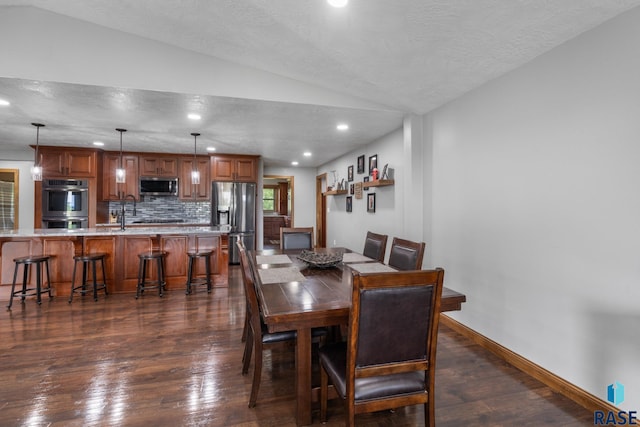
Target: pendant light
point(120, 172)
point(36, 169)
point(195, 173)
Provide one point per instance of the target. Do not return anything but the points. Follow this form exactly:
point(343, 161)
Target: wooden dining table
point(295, 296)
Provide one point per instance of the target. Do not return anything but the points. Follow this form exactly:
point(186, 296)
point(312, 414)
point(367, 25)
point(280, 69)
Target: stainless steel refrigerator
point(233, 204)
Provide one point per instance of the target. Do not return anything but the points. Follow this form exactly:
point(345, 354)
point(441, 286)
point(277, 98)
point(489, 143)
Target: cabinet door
point(222, 168)
point(53, 163)
point(81, 164)
point(110, 189)
point(158, 166)
point(189, 191)
point(67, 163)
point(245, 169)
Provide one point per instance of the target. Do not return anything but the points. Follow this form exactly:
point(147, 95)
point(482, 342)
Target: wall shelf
point(378, 183)
point(335, 192)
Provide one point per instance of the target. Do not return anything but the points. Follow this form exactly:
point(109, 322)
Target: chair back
point(248, 278)
point(393, 330)
point(375, 246)
point(296, 238)
point(406, 255)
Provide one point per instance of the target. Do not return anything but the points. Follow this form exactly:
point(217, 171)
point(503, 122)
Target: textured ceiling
point(408, 55)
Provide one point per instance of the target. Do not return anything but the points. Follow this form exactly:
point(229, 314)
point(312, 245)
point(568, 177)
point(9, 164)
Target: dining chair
point(375, 246)
point(406, 255)
point(388, 360)
point(296, 238)
point(257, 335)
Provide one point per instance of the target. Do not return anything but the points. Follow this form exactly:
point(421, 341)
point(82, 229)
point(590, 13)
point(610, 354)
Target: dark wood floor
point(175, 361)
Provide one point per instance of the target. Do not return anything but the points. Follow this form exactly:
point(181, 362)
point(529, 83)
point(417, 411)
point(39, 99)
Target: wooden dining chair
point(389, 358)
point(296, 238)
point(406, 255)
point(375, 246)
point(257, 335)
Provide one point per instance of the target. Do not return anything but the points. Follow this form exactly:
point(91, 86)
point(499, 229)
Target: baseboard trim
point(556, 383)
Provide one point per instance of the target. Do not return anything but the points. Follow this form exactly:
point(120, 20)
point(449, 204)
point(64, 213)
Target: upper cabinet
point(189, 191)
point(156, 165)
point(67, 162)
point(112, 190)
point(234, 168)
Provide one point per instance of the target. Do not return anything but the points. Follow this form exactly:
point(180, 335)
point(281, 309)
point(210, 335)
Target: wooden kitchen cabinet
point(69, 163)
point(234, 168)
point(158, 166)
point(112, 190)
point(189, 191)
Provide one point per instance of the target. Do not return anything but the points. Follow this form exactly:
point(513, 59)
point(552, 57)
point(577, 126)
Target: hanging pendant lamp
point(36, 169)
point(121, 174)
point(195, 173)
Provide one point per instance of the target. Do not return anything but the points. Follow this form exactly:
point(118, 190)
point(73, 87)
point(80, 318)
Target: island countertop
point(113, 231)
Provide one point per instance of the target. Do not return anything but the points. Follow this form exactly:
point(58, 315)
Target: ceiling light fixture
point(98, 143)
point(211, 148)
point(120, 172)
point(194, 116)
point(307, 154)
point(294, 163)
point(338, 3)
point(4, 102)
point(36, 170)
point(342, 126)
point(195, 173)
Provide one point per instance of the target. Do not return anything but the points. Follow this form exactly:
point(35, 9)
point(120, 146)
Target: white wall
point(536, 208)
point(26, 190)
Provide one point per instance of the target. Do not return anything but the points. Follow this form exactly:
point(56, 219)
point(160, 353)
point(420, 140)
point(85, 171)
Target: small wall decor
point(350, 173)
point(358, 189)
point(349, 204)
point(373, 163)
point(371, 202)
point(365, 179)
point(352, 189)
point(361, 164)
point(385, 172)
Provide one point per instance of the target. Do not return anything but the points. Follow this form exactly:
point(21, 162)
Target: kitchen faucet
point(122, 202)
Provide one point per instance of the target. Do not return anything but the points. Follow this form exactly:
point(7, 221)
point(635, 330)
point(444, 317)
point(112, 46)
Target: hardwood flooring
point(176, 361)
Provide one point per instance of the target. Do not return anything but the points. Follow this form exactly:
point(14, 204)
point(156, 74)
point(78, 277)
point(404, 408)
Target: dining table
point(296, 295)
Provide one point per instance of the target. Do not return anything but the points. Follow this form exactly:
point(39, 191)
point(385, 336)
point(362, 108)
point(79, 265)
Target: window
point(269, 197)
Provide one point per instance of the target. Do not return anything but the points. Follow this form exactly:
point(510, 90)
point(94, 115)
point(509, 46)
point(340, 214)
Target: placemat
point(354, 257)
point(280, 275)
point(372, 267)
point(273, 259)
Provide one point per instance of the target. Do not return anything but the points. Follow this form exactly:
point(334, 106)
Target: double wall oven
point(65, 203)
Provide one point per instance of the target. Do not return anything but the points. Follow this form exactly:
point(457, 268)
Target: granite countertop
point(111, 231)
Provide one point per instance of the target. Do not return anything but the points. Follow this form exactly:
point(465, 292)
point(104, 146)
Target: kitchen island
point(121, 247)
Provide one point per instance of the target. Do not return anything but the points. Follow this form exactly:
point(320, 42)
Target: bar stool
point(38, 261)
point(191, 281)
point(88, 261)
point(143, 282)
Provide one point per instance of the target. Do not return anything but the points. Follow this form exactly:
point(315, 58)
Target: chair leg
point(46, 266)
point(95, 280)
point(257, 374)
point(25, 277)
point(430, 413)
point(246, 357)
point(13, 286)
point(207, 269)
point(324, 393)
point(189, 275)
point(73, 280)
point(246, 324)
point(38, 268)
point(104, 276)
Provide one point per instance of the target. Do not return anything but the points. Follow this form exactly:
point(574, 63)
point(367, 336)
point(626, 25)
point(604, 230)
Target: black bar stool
point(191, 281)
point(38, 261)
point(88, 261)
point(143, 282)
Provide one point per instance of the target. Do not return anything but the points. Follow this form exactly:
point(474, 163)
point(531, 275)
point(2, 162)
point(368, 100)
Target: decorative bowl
point(320, 260)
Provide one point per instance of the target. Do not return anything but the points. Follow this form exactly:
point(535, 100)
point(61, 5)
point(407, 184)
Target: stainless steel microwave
point(158, 186)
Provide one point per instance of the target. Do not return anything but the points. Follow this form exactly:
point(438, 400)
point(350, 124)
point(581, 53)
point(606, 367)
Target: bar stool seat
point(147, 283)
point(88, 261)
point(26, 261)
point(192, 281)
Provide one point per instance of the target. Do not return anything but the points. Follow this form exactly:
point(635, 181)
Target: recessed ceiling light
point(4, 102)
point(342, 126)
point(211, 148)
point(294, 163)
point(338, 3)
point(194, 116)
point(98, 143)
point(307, 153)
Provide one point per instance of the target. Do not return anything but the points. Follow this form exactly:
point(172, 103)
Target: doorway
point(9, 193)
point(277, 208)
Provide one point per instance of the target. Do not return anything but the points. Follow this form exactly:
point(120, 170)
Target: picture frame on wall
point(350, 173)
point(358, 190)
point(361, 164)
point(371, 202)
point(352, 189)
point(364, 185)
point(349, 204)
point(373, 163)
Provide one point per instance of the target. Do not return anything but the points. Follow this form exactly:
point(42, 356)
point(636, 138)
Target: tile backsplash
point(165, 208)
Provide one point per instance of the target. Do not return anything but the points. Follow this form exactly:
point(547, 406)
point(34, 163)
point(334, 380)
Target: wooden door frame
point(321, 212)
